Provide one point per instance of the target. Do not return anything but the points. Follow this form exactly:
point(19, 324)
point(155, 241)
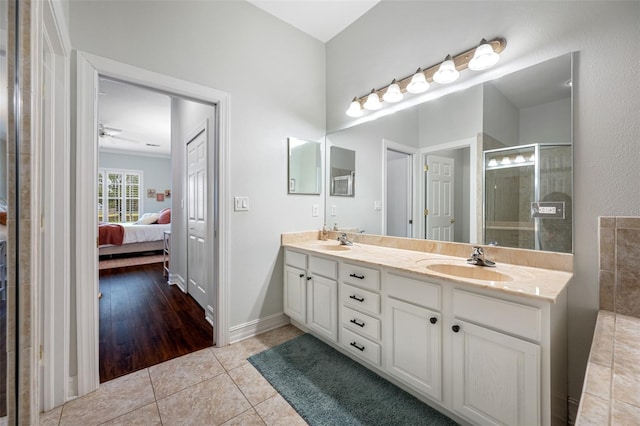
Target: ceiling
point(135, 119)
point(322, 19)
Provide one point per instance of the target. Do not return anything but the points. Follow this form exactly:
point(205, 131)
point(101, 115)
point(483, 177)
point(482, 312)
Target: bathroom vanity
point(484, 345)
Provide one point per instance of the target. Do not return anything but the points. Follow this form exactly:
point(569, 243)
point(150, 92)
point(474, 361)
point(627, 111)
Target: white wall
point(275, 77)
point(451, 118)
point(501, 118)
point(546, 122)
point(366, 140)
point(606, 121)
point(155, 174)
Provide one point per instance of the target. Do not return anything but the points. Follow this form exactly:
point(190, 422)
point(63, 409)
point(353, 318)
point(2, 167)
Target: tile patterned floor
point(214, 386)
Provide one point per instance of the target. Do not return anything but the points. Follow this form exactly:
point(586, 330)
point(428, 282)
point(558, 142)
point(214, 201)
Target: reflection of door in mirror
point(399, 193)
point(439, 214)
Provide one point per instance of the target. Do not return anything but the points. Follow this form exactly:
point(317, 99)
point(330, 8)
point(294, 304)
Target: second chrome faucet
point(477, 258)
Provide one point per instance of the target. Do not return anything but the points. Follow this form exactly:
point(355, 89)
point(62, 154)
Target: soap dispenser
point(325, 233)
point(335, 226)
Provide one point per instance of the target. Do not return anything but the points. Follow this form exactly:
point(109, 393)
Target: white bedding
point(143, 233)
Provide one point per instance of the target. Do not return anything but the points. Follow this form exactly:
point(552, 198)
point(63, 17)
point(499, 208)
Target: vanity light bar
point(461, 62)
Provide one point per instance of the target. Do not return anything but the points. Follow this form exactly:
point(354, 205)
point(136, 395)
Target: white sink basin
point(472, 272)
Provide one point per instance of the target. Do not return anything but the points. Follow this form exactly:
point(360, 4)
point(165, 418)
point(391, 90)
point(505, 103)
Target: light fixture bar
point(461, 62)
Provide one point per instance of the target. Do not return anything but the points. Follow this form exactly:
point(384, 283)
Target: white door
point(496, 378)
point(399, 194)
point(295, 293)
point(414, 346)
point(439, 196)
point(323, 307)
point(196, 218)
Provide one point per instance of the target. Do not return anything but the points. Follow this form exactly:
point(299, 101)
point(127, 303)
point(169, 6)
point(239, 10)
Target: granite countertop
point(611, 392)
point(538, 283)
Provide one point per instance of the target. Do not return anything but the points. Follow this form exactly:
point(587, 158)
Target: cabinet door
point(414, 346)
point(295, 293)
point(323, 306)
point(496, 378)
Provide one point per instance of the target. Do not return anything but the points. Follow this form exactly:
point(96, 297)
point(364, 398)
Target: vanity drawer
point(361, 346)
point(360, 299)
point(361, 323)
point(325, 267)
point(293, 258)
point(360, 276)
point(498, 314)
point(421, 293)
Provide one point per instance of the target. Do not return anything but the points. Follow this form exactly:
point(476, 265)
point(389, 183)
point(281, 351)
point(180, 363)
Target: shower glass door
point(527, 192)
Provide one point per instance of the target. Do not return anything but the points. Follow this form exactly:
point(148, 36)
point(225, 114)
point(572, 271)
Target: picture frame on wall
point(151, 193)
point(167, 193)
point(159, 197)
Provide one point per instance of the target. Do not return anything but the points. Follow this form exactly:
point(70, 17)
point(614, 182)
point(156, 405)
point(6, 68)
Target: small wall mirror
point(305, 167)
point(343, 171)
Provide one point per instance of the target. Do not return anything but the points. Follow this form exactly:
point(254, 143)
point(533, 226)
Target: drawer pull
point(360, 277)
point(359, 324)
point(455, 328)
point(354, 297)
point(355, 345)
point(433, 320)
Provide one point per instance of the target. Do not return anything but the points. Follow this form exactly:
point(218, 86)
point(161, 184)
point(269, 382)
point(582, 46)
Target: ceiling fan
point(105, 133)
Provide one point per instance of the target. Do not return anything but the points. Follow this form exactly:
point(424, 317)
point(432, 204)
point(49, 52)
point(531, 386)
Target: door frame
point(88, 68)
point(406, 149)
point(475, 181)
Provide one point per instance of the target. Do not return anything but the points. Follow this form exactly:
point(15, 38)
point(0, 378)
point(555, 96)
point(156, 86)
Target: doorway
point(399, 183)
point(89, 69)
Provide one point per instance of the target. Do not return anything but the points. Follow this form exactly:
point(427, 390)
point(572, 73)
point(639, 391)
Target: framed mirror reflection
point(305, 167)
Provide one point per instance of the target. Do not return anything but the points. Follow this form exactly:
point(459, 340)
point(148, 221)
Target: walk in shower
point(527, 197)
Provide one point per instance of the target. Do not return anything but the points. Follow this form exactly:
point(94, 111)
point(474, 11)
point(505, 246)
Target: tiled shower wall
point(620, 265)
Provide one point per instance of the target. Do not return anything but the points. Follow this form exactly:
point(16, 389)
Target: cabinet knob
point(433, 320)
point(308, 278)
point(455, 328)
point(301, 275)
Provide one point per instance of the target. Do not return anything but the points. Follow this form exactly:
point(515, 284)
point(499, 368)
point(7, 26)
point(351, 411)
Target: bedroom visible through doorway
point(138, 215)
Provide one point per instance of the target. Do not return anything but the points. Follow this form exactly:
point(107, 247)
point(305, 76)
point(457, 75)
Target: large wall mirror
point(305, 167)
point(490, 164)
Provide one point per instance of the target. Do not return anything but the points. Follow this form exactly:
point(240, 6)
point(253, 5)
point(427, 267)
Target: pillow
point(148, 219)
point(165, 216)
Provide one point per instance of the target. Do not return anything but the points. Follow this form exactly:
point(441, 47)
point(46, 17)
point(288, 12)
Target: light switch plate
point(333, 210)
point(241, 204)
point(377, 205)
point(315, 210)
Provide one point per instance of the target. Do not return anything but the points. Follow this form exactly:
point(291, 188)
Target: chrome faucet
point(477, 258)
point(344, 240)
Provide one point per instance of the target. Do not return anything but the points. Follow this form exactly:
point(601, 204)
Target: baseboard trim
point(72, 388)
point(177, 280)
point(259, 326)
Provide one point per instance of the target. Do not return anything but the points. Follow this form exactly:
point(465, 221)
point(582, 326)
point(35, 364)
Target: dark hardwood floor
point(144, 321)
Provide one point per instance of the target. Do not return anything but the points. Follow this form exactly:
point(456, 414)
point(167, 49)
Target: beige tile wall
point(620, 265)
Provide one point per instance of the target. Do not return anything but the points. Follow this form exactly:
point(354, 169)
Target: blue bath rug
point(328, 388)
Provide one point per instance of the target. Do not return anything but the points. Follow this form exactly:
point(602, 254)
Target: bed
point(138, 238)
point(147, 234)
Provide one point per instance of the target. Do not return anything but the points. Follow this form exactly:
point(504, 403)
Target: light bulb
point(505, 161)
point(447, 73)
point(484, 57)
point(393, 93)
point(354, 109)
point(373, 101)
point(418, 83)
point(519, 159)
point(492, 162)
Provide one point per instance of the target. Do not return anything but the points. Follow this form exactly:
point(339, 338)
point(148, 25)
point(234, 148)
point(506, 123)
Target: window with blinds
point(119, 195)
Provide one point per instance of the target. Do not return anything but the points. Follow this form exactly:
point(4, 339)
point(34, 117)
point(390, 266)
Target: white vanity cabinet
point(496, 372)
point(360, 304)
point(311, 292)
point(414, 333)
